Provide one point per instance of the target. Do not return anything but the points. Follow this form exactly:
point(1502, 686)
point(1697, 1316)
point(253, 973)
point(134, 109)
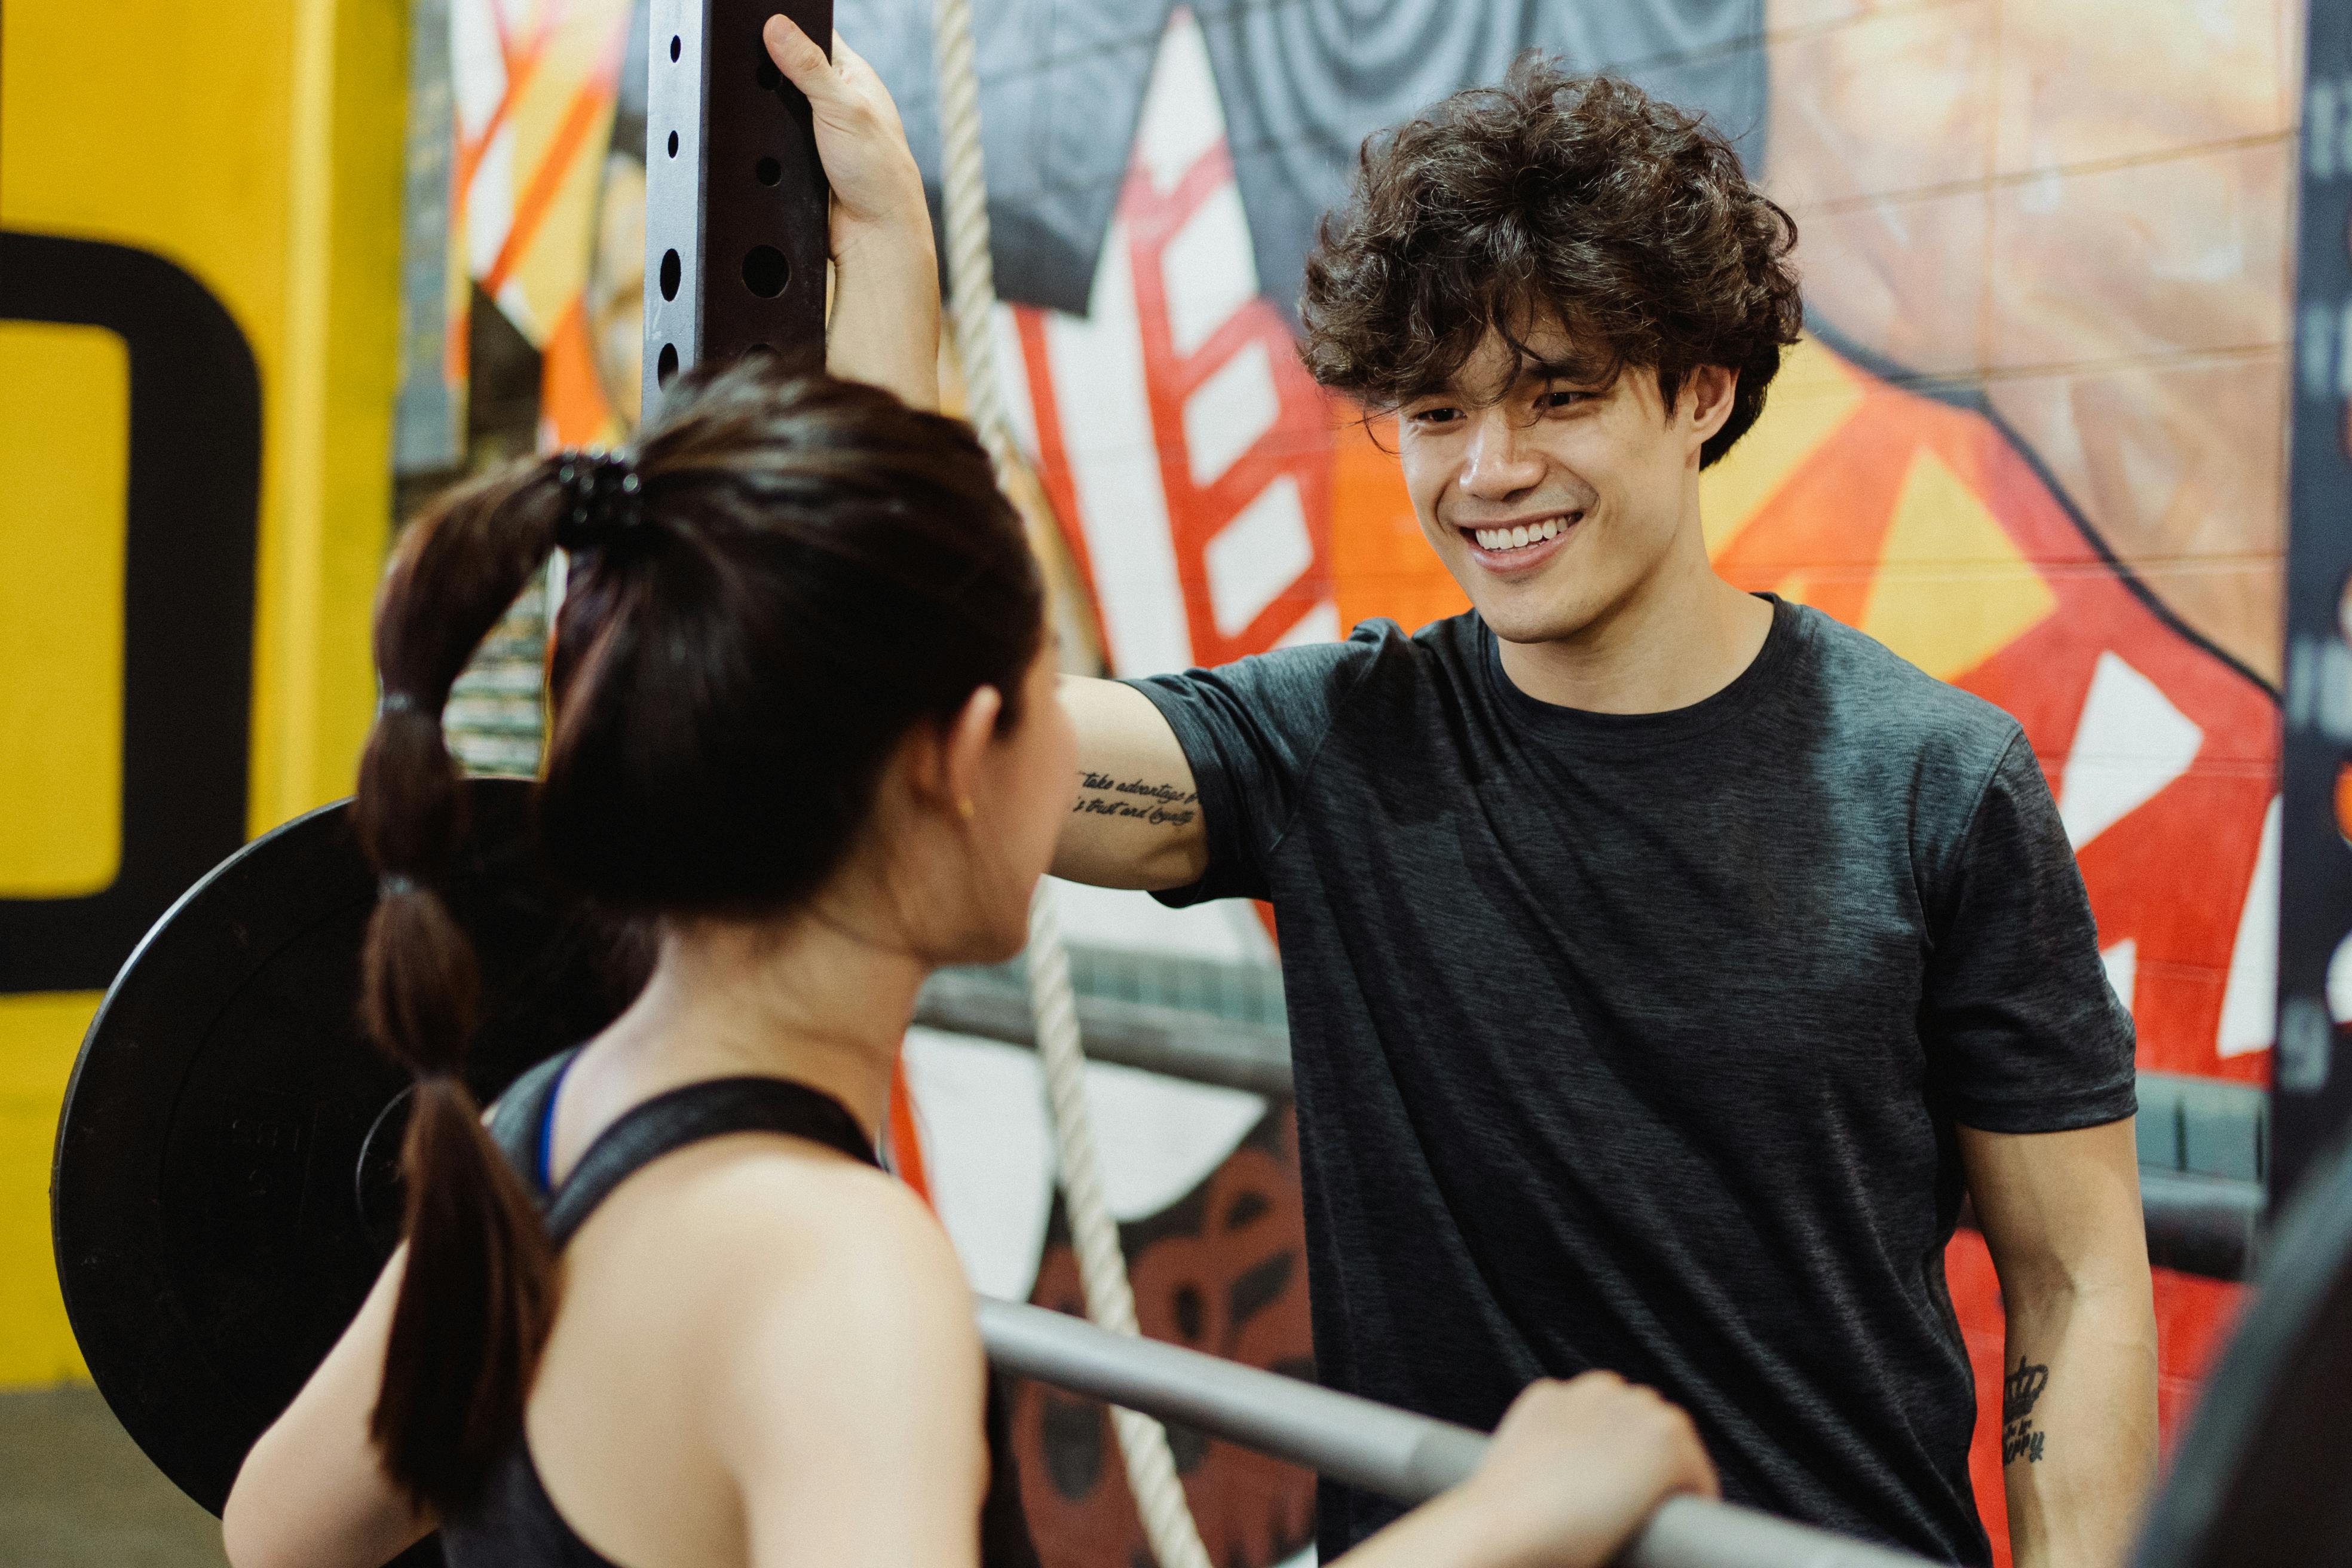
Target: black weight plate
point(215, 1226)
point(2264, 1476)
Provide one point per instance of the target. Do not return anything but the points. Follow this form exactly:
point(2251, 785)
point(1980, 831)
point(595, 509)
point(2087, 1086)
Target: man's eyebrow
point(1583, 370)
point(1566, 368)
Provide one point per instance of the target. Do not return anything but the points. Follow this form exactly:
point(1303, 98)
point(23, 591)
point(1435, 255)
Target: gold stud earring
point(965, 809)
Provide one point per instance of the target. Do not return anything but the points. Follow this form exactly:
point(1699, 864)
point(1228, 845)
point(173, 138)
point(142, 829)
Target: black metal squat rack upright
point(735, 198)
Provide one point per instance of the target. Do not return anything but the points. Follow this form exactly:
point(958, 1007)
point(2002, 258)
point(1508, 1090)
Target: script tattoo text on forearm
point(1157, 805)
point(2019, 1395)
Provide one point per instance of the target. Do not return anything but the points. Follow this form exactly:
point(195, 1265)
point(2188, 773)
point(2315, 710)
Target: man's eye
point(1436, 415)
point(1564, 397)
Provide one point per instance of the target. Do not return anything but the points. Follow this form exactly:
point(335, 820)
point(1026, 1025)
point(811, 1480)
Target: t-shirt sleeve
point(1251, 730)
point(2024, 1032)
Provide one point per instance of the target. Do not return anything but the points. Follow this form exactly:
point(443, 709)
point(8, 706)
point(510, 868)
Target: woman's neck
point(812, 999)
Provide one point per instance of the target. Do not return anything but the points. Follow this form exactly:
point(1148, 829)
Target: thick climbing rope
point(1168, 1526)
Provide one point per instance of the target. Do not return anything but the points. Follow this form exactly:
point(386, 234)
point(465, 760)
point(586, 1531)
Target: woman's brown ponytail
point(788, 577)
point(478, 1293)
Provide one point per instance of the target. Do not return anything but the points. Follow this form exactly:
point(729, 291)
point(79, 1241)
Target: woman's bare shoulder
point(834, 1313)
point(803, 1247)
point(776, 1208)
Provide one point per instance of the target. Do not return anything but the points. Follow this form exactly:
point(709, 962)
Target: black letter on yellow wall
point(188, 586)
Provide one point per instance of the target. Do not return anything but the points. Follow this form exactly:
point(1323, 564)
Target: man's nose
point(1500, 462)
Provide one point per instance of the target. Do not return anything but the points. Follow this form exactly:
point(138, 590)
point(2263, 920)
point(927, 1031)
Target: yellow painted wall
point(65, 402)
point(257, 146)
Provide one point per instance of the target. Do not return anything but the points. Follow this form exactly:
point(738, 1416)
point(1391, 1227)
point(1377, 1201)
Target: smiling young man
point(1664, 962)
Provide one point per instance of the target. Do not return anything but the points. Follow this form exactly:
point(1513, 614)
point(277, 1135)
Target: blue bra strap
point(546, 1162)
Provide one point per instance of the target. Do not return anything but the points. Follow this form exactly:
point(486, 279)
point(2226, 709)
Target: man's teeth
point(1518, 538)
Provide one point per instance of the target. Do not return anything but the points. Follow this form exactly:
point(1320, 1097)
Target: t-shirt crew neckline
point(1746, 691)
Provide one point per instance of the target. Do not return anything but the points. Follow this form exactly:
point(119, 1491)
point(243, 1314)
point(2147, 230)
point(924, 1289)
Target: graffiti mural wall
point(2032, 442)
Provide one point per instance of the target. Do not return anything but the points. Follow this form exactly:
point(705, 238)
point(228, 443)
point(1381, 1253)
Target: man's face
point(1553, 500)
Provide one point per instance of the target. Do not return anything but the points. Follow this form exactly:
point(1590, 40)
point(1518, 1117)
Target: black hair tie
point(603, 499)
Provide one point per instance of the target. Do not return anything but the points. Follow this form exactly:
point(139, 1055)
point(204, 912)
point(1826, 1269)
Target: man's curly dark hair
point(1553, 196)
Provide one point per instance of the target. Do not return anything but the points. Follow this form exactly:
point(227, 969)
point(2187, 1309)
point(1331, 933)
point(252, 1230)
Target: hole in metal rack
point(673, 48)
point(765, 272)
point(769, 76)
point(670, 274)
point(666, 366)
point(673, 144)
point(2343, 801)
point(767, 171)
point(2339, 984)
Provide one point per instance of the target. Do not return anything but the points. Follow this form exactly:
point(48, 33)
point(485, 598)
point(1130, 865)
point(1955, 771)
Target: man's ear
point(1709, 389)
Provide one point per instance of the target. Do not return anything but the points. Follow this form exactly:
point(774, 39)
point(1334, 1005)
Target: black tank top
point(516, 1525)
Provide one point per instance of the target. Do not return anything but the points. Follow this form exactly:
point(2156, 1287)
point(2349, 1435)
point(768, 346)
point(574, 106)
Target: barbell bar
point(1375, 1448)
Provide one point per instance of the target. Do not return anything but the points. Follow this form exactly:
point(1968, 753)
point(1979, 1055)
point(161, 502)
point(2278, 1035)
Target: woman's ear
point(951, 772)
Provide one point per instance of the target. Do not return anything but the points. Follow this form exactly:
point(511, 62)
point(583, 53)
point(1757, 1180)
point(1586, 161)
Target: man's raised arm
point(1137, 822)
point(884, 326)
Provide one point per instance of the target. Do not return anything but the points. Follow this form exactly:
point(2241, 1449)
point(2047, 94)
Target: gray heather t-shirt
point(1636, 1041)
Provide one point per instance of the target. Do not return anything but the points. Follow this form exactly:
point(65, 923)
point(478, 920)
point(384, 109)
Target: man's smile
point(1515, 544)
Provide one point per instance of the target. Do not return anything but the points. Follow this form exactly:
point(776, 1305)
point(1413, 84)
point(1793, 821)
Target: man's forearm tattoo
point(1156, 804)
point(2019, 1394)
